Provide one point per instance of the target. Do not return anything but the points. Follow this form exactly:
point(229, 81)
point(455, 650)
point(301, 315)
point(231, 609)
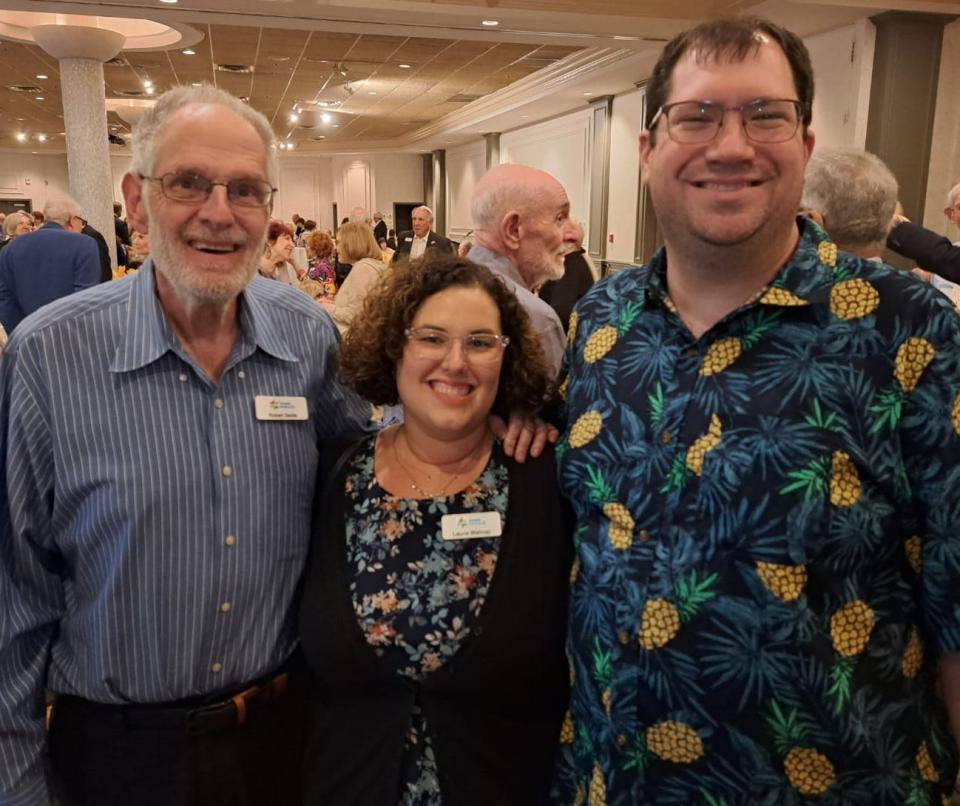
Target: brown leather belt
point(224, 714)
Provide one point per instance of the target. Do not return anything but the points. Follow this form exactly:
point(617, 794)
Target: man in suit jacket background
point(413, 244)
point(45, 265)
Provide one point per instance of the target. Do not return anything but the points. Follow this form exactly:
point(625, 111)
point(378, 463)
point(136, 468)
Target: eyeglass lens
point(768, 121)
point(190, 187)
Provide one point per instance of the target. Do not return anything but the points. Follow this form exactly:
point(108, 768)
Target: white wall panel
point(842, 69)
point(33, 176)
point(396, 178)
point(625, 126)
point(465, 165)
point(561, 147)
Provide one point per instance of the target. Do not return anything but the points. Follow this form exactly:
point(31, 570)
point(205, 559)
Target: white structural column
point(81, 52)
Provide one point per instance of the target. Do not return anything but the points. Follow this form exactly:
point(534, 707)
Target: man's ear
point(510, 226)
point(132, 186)
point(817, 216)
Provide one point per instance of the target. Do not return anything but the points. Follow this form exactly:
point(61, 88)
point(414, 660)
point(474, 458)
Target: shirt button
point(241, 374)
point(218, 403)
point(225, 607)
point(644, 535)
point(227, 470)
point(216, 668)
point(621, 740)
point(624, 638)
point(230, 540)
point(183, 377)
point(666, 437)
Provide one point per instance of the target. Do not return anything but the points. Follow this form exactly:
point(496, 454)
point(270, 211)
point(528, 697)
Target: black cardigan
point(493, 710)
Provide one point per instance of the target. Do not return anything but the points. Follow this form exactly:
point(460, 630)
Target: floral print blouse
point(416, 595)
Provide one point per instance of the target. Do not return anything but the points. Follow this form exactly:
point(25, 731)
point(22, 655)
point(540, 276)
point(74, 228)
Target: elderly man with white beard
point(522, 232)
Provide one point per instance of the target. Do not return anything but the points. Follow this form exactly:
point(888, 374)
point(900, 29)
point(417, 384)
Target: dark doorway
point(336, 219)
point(8, 206)
point(403, 215)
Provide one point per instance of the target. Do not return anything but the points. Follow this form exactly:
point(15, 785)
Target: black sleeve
point(931, 251)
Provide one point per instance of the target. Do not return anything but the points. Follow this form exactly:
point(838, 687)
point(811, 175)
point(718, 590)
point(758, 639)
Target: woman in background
point(357, 247)
point(320, 246)
point(277, 260)
point(434, 603)
point(17, 223)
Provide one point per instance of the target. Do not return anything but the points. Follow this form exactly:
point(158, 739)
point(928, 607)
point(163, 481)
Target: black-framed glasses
point(430, 343)
point(193, 188)
point(768, 120)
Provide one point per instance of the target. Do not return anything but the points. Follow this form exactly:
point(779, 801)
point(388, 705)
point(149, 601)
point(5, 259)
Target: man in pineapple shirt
point(763, 451)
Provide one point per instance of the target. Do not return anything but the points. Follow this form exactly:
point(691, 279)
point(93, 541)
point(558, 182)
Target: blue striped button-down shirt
point(152, 529)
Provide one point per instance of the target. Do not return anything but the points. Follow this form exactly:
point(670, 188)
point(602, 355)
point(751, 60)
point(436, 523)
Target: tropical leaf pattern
point(768, 540)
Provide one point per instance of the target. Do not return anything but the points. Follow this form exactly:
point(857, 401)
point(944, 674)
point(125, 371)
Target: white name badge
point(269, 407)
point(471, 525)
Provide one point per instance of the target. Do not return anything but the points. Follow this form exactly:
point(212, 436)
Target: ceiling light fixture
point(41, 98)
point(149, 90)
point(490, 23)
point(21, 137)
point(294, 117)
point(335, 126)
point(401, 66)
point(196, 84)
point(325, 118)
point(189, 52)
point(41, 76)
point(588, 93)
point(170, 2)
point(42, 138)
point(371, 92)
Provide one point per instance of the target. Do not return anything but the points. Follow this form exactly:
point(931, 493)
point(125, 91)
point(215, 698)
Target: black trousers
point(105, 755)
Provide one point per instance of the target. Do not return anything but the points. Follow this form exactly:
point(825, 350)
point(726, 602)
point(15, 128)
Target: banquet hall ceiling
point(379, 74)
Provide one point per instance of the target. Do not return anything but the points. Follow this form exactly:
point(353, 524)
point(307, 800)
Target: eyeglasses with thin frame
point(193, 188)
point(479, 348)
point(767, 120)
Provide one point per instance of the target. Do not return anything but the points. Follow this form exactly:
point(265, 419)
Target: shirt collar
point(806, 279)
point(494, 260)
point(147, 334)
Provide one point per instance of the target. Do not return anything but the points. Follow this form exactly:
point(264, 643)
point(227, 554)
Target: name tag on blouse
point(471, 525)
point(280, 408)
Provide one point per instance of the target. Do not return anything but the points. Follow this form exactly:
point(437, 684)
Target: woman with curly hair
point(320, 247)
point(434, 604)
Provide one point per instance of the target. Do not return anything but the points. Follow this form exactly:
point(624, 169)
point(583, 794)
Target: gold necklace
point(413, 484)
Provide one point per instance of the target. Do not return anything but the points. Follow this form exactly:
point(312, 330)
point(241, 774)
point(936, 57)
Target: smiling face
point(283, 247)
point(728, 191)
point(24, 225)
point(450, 398)
point(207, 252)
point(421, 222)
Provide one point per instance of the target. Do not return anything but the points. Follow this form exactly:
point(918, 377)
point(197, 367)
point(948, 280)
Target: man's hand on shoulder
point(523, 434)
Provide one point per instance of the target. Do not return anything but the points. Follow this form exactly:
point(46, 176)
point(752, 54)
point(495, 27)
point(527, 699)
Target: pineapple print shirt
point(768, 540)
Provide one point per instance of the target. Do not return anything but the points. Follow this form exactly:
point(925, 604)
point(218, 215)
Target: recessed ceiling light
point(336, 126)
point(147, 82)
point(588, 93)
point(41, 76)
point(169, 2)
point(371, 92)
point(149, 90)
point(41, 98)
point(196, 84)
point(325, 117)
point(21, 137)
point(490, 23)
point(401, 66)
point(524, 116)
point(42, 138)
point(294, 117)
point(189, 52)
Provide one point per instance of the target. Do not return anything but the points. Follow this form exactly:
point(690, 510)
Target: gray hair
point(61, 209)
point(854, 191)
point(953, 195)
point(359, 215)
point(10, 222)
point(426, 209)
point(148, 128)
point(492, 203)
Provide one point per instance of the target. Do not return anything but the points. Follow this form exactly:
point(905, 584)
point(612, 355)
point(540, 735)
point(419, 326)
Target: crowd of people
point(385, 528)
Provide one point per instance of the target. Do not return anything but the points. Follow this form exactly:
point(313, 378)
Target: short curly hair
point(276, 229)
point(369, 354)
point(319, 243)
